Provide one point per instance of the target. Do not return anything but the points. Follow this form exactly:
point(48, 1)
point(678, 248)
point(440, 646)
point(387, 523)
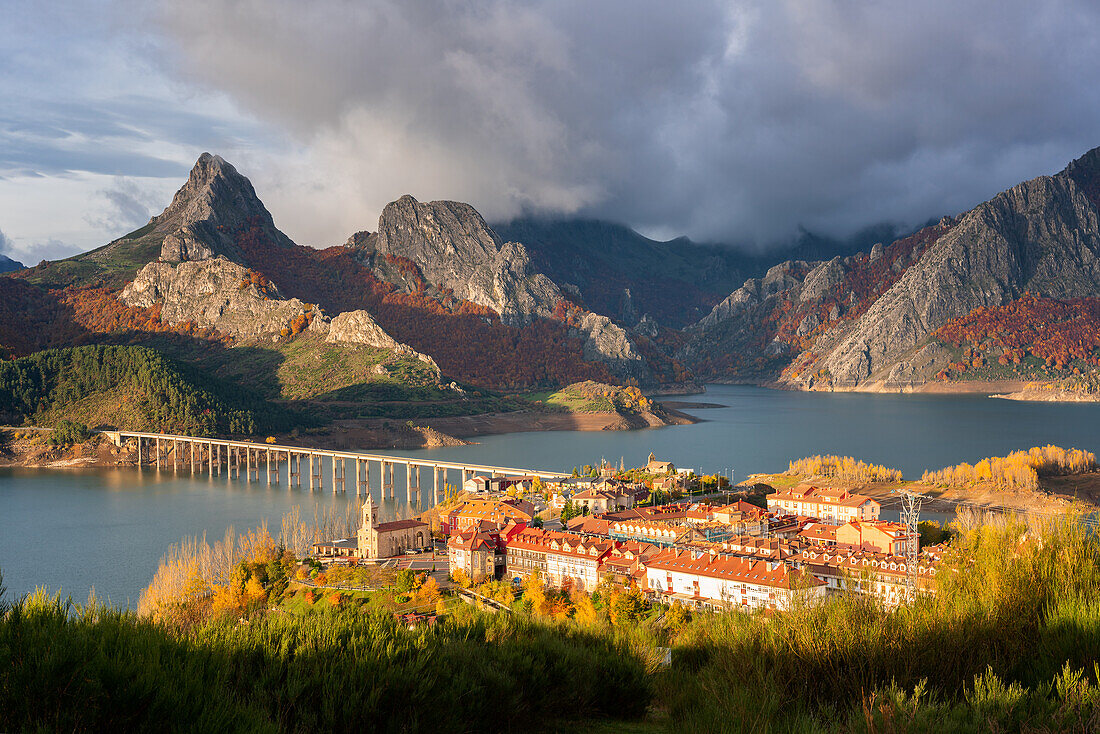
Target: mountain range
point(445, 302)
point(7, 264)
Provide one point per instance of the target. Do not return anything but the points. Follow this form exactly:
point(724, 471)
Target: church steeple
point(367, 538)
point(368, 514)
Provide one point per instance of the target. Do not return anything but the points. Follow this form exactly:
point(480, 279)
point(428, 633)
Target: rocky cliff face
point(866, 322)
point(454, 249)
point(1040, 237)
point(360, 328)
point(451, 247)
point(214, 293)
point(756, 331)
point(222, 295)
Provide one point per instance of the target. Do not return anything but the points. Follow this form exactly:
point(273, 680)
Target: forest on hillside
point(151, 390)
point(1063, 336)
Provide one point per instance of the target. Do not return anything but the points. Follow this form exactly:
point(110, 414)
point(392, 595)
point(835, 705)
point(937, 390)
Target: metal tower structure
point(910, 515)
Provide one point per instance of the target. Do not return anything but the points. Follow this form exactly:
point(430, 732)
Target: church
point(386, 539)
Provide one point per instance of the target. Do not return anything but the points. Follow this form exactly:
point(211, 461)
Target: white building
point(713, 581)
point(834, 506)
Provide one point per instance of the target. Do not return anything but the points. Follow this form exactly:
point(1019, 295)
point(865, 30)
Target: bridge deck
point(118, 437)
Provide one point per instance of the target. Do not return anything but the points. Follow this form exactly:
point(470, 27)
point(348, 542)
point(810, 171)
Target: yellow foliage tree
point(461, 578)
point(535, 593)
point(1018, 470)
point(560, 608)
point(843, 467)
point(584, 611)
point(225, 601)
point(254, 590)
point(428, 593)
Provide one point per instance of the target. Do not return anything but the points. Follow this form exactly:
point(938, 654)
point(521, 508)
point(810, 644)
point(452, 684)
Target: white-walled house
point(834, 506)
point(710, 580)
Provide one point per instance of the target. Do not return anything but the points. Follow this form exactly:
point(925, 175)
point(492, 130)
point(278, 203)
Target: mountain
point(213, 266)
point(870, 321)
point(438, 294)
point(7, 264)
point(204, 220)
point(445, 250)
point(455, 251)
point(613, 270)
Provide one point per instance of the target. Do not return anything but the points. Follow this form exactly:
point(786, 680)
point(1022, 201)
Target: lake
point(72, 530)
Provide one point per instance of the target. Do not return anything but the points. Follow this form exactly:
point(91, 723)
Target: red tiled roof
point(386, 527)
point(743, 570)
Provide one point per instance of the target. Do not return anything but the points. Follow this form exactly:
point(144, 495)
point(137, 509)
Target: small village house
point(835, 506)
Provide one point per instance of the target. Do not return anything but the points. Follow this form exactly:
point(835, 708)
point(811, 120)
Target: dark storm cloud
point(732, 121)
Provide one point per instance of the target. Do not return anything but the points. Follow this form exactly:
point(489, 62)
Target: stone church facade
point(386, 539)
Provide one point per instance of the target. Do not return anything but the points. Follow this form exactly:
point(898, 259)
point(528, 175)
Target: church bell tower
point(367, 537)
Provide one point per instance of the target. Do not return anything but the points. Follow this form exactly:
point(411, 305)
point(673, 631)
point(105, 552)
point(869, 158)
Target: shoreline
point(1021, 390)
point(1056, 495)
point(364, 434)
point(524, 421)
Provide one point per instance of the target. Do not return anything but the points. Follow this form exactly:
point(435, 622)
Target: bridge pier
point(387, 485)
point(339, 472)
point(362, 477)
point(164, 447)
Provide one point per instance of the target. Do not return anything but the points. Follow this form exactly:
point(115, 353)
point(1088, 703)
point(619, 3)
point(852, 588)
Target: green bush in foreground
point(96, 668)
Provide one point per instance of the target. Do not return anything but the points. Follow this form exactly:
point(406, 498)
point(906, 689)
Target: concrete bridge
point(212, 455)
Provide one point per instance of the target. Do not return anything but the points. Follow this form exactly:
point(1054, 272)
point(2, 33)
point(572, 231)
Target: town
point(707, 546)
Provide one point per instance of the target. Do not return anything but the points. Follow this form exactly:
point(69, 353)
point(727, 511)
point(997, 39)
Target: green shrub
point(67, 433)
point(94, 668)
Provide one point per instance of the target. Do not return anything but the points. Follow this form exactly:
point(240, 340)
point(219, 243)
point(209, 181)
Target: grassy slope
point(344, 382)
point(586, 397)
point(111, 265)
point(348, 671)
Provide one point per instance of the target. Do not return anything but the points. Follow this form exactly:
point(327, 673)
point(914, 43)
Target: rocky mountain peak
point(456, 250)
point(212, 186)
point(441, 228)
point(214, 206)
point(1085, 173)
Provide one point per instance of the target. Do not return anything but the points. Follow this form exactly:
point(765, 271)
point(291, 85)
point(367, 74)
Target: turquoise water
point(75, 529)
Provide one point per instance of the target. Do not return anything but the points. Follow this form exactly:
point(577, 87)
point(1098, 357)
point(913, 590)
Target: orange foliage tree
point(1057, 332)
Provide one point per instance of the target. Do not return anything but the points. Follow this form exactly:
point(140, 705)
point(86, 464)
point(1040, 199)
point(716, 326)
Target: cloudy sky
point(736, 122)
